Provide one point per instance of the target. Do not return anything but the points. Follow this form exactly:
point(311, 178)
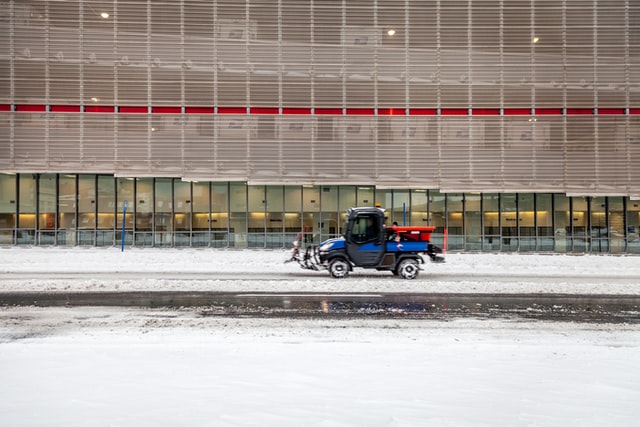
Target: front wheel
point(408, 269)
point(339, 268)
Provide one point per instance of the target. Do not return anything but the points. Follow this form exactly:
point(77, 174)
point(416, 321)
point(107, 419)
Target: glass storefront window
point(330, 225)
point(182, 212)
point(491, 221)
point(47, 202)
point(526, 223)
point(437, 208)
point(401, 208)
point(473, 222)
point(274, 216)
point(509, 222)
point(633, 226)
point(106, 208)
point(125, 193)
point(544, 222)
point(562, 221)
point(143, 231)
point(26, 209)
point(163, 217)
point(616, 225)
point(419, 212)
point(346, 200)
point(220, 215)
point(292, 212)
point(599, 231)
point(7, 208)
point(256, 220)
point(47, 198)
point(384, 199)
point(238, 212)
point(200, 216)
point(66, 210)
point(311, 217)
point(87, 202)
point(455, 224)
point(86, 209)
point(365, 196)
point(579, 220)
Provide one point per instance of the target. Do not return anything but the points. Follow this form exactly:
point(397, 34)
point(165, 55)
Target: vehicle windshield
point(364, 228)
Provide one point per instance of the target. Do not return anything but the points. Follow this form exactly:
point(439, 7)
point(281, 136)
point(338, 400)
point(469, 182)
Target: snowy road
point(318, 276)
point(574, 308)
point(108, 269)
point(132, 366)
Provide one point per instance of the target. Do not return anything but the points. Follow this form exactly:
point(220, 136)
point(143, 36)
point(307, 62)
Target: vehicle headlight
point(325, 248)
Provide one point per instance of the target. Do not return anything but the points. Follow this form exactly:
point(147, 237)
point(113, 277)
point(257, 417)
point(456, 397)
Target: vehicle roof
point(366, 209)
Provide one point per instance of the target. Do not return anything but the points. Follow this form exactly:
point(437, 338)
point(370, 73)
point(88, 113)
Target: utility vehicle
point(367, 242)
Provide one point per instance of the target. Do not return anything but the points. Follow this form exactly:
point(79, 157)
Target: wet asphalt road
point(555, 307)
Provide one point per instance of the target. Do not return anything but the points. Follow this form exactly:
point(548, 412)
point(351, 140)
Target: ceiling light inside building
point(391, 32)
point(536, 39)
point(104, 15)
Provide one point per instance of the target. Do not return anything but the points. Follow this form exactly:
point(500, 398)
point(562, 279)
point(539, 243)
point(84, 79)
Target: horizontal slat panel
point(269, 57)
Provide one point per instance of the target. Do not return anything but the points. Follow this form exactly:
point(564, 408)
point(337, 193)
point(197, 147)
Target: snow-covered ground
point(92, 366)
point(109, 269)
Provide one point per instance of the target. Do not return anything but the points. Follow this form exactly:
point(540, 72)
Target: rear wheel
point(339, 268)
point(408, 269)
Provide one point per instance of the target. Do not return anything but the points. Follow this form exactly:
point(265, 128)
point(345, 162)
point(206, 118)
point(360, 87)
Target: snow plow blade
point(307, 260)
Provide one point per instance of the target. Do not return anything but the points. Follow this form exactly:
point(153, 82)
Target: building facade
point(508, 125)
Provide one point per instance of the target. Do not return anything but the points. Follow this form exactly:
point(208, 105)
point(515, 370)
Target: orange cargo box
point(416, 234)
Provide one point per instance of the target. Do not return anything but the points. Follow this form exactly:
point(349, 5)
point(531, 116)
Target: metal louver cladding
point(523, 96)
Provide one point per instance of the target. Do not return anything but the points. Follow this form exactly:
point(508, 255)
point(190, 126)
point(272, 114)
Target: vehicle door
point(364, 240)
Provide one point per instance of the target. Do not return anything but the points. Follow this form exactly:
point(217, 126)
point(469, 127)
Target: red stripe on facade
point(166, 110)
point(64, 108)
point(37, 108)
point(423, 111)
point(454, 111)
point(485, 111)
point(360, 111)
point(548, 111)
point(392, 111)
point(388, 111)
point(296, 110)
point(264, 110)
point(128, 109)
point(606, 111)
point(232, 110)
point(333, 111)
point(199, 110)
point(517, 111)
point(579, 111)
point(99, 109)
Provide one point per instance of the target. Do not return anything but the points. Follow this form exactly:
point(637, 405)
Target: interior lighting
point(104, 15)
point(536, 39)
point(391, 32)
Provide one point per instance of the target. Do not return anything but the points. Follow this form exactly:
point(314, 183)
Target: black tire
point(339, 268)
point(408, 269)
